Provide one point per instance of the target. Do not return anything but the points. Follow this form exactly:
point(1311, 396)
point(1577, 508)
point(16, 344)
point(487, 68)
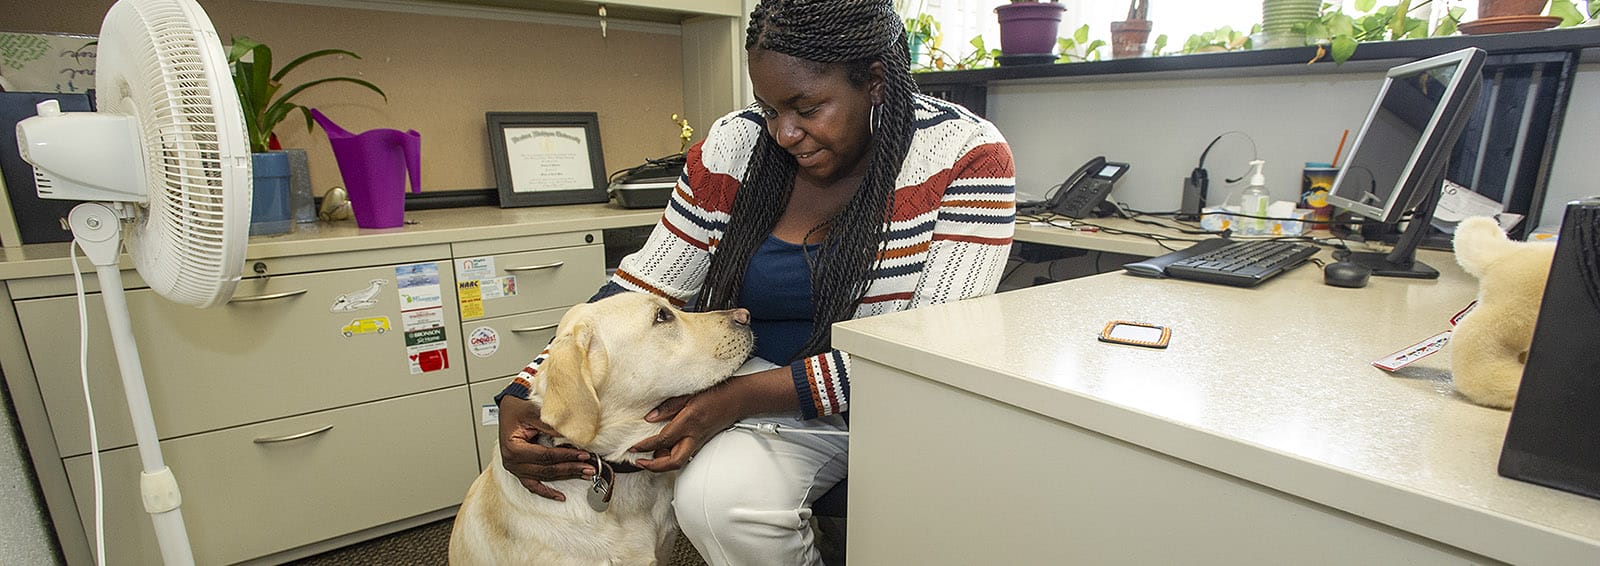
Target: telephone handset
point(1086, 188)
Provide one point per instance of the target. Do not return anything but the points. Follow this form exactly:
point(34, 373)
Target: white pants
point(746, 497)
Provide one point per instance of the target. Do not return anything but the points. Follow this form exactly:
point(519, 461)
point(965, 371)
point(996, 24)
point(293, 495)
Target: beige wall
point(441, 74)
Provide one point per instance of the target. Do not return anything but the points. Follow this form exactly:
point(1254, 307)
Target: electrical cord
point(676, 160)
point(775, 429)
point(88, 403)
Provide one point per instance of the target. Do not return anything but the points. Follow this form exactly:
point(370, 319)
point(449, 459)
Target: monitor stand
point(1401, 261)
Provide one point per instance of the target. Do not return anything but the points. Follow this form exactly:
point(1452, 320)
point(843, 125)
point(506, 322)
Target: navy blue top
point(777, 292)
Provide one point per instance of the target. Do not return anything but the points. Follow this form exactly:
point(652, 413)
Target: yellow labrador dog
point(611, 362)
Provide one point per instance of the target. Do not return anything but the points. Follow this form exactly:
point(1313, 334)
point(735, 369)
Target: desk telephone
point(1086, 188)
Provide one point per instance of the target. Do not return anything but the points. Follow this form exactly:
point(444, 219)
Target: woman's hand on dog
point(694, 419)
point(532, 463)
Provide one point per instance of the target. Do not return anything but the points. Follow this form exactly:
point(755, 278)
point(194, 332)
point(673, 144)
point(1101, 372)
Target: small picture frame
point(547, 158)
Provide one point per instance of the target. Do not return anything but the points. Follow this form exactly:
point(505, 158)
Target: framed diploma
point(545, 158)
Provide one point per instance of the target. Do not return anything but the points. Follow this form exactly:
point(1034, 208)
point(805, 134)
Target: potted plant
point(921, 31)
point(1028, 27)
point(1129, 36)
point(264, 108)
point(1503, 8)
point(1079, 47)
point(1337, 34)
point(1219, 40)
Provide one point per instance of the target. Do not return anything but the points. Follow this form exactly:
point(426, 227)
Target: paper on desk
point(1457, 203)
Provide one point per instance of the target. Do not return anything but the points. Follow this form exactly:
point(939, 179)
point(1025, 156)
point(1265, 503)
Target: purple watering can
point(374, 165)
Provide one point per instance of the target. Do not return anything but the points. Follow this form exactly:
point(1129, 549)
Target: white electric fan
point(165, 157)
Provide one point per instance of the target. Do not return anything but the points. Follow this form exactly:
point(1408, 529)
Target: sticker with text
point(418, 285)
point(483, 341)
point(469, 294)
point(422, 319)
point(498, 287)
point(491, 416)
point(474, 268)
point(432, 357)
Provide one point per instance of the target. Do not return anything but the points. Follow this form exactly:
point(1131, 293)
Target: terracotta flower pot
point(1502, 8)
point(1028, 27)
point(1128, 38)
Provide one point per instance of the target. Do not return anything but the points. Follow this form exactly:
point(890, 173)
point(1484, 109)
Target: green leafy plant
point(1337, 34)
point(1218, 40)
point(1158, 45)
point(258, 85)
point(1570, 14)
point(1079, 47)
point(981, 57)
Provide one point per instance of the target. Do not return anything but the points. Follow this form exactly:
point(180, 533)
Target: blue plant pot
point(269, 194)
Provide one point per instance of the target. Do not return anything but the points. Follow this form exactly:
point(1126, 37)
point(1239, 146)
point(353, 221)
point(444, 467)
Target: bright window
point(961, 20)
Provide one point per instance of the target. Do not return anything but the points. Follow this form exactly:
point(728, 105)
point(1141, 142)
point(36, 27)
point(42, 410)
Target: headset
point(1196, 185)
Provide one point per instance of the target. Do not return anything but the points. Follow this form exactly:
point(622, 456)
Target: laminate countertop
point(439, 226)
point(1273, 385)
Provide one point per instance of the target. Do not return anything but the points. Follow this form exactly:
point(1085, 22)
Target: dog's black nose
point(740, 316)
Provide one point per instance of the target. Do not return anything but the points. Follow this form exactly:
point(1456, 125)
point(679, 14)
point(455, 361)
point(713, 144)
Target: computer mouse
point(1346, 274)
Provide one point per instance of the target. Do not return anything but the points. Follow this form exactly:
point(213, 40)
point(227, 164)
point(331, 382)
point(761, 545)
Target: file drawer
point(285, 345)
point(543, 279)
point(245, 495)
point(487, 424)
point(498, 347)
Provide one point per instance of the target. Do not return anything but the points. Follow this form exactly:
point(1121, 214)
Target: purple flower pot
point(1028, 27)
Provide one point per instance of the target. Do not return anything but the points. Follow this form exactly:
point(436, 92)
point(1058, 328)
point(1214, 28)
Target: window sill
point(1368, 57)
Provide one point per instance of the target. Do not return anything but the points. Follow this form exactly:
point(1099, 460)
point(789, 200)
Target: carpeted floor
point(429, 545)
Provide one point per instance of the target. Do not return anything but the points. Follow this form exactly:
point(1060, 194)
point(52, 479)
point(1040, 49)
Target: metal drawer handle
point(534, 267)
point(536, 328)
point(269, 296)
point(296, 436)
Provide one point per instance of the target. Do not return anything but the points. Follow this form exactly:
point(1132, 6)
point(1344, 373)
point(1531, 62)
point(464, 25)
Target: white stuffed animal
point(1490, 344)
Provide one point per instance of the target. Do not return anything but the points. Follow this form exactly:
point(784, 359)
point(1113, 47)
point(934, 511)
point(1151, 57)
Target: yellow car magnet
point(376, 324)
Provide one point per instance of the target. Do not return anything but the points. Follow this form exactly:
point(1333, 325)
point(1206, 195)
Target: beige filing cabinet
point(317, 405)
point(513, 329)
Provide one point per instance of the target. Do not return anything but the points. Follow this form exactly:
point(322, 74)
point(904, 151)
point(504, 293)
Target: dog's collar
point(607, 466)
point(604, 484)
point(618, 467)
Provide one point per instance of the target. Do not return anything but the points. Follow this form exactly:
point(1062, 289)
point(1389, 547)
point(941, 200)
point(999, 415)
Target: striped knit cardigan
point(948, 238)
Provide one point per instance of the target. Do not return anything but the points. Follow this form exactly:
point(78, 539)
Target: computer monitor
point(1398, 160)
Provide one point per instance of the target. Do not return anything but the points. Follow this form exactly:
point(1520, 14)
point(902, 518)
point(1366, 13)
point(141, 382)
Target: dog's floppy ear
point(570, 403)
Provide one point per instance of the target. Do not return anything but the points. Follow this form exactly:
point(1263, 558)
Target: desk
point(1261, 435)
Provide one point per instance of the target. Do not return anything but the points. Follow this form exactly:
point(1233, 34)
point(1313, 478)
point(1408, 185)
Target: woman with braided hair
point(840, 193)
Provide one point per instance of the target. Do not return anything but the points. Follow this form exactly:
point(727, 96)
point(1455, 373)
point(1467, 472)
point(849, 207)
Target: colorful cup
point(1316, 181)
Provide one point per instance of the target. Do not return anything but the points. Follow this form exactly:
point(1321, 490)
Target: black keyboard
point(1242, 264)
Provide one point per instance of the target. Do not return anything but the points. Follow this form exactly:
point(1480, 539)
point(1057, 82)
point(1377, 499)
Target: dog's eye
point(663, 315)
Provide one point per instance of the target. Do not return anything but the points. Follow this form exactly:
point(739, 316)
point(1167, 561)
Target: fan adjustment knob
point(49, 108)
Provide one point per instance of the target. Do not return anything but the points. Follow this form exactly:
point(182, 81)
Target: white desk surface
point(1272, 385)
point(429, 227)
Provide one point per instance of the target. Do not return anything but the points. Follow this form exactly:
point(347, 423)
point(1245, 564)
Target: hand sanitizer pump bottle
point(1255, 200)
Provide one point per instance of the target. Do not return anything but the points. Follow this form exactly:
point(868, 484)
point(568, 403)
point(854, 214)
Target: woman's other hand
point(692, 421)
point(523, 456)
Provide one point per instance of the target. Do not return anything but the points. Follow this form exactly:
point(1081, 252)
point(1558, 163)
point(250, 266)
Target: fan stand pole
point(97, 229)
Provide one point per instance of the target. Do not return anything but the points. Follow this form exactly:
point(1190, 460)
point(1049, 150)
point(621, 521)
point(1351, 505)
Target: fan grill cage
point(175, 70)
